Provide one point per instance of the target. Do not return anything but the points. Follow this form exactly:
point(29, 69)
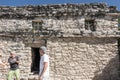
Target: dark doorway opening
point(35, 60)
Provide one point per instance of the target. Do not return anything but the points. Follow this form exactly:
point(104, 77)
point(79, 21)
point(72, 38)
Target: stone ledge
point(86, 34)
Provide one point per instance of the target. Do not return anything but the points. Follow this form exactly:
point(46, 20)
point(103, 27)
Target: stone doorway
point(35, 60)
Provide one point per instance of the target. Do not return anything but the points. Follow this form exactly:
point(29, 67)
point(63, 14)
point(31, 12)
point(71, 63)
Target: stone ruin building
point(82, 40)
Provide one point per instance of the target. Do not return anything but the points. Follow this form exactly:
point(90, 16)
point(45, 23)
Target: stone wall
point(70, 58)
point(93, 57)
point(31, 11)
point(15, 25)
point(7, 46)
point(78, 54)
point(56, 10)
point(75, 26)
point(68, 26)
point(83, 58)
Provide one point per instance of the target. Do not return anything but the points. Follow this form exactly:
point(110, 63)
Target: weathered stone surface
point(77, 51)
point(61, 27)
point(14, 25)
point(56, 11)
point(84, 58)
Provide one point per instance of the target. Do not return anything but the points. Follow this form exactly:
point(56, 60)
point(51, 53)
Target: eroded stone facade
point(77, 51)
point(83, 58)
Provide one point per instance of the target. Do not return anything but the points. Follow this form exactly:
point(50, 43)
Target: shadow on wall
point(110, 72)
point(87, 40)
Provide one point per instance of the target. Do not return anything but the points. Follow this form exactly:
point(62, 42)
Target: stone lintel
point(35, 43)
